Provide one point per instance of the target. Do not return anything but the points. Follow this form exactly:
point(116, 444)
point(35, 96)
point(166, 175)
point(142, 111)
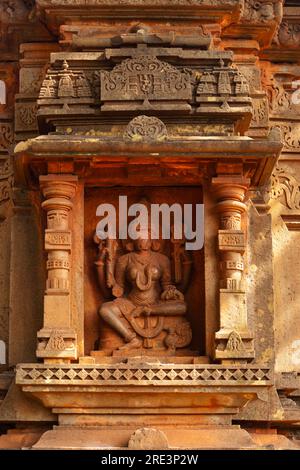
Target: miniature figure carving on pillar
point(57, 339)
point(234, 340)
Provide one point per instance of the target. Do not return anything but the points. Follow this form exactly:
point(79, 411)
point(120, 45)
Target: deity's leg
point(111, 314)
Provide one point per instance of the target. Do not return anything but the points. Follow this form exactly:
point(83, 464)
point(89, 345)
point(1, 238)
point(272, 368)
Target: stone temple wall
point(196, 101)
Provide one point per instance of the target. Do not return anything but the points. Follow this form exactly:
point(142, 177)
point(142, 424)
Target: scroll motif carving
point(6, 135)
point(146, 128)
point(5, 190)
point(291, 137)
point(27, 115)
point(6, 180)
point(145, 78)
point(286, 188)
point(279, 94)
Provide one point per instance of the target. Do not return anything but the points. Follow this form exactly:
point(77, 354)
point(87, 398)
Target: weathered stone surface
point(148, 438)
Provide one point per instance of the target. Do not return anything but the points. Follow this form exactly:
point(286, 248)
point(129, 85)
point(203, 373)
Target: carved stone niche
point(159, 311)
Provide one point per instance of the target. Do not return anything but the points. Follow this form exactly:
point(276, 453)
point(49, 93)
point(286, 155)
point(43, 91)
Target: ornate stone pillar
point(233, 340)
point(58, 337)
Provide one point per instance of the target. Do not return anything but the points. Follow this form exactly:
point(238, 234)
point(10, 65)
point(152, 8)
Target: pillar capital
point(58, 186)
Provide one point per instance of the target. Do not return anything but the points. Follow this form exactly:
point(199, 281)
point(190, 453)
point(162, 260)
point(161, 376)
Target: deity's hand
point(171, 293)
point(117, 291)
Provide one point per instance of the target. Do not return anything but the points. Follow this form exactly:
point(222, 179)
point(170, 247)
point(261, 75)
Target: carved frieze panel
point(290, 133)
point(280, 86)
point(145, 79)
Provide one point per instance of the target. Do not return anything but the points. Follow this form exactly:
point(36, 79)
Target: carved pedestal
point(234, 340)
point(57, 339)
point(103, 405)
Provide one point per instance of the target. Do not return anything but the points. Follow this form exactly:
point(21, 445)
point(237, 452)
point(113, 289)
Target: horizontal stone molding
point(144, 374)
point(137, 3)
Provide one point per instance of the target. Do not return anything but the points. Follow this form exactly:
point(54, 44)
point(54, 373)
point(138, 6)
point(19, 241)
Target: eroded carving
point(288, 35)
point(146, 128)
point(258, 11)
point(148, 438)
point(235, 342)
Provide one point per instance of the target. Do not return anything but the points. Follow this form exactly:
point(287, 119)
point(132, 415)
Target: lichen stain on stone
point(266, 356)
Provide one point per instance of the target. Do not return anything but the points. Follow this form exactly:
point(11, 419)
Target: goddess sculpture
point(141, 283)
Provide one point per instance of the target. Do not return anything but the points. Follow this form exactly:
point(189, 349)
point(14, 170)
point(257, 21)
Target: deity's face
point(142, 244)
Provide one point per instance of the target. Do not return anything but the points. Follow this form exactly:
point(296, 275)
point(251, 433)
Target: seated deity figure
point(142, 285)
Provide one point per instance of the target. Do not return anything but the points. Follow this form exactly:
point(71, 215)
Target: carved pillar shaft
point(58, 338)
point(233, 340)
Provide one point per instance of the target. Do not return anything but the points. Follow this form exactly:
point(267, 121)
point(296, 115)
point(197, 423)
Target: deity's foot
point(135, 343)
